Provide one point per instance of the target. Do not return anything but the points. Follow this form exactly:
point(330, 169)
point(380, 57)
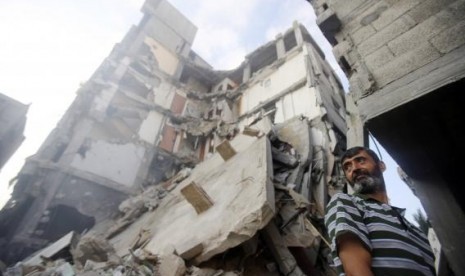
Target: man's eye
point(361, 160)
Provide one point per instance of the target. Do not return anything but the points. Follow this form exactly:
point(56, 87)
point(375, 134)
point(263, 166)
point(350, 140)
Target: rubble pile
point(252, 208)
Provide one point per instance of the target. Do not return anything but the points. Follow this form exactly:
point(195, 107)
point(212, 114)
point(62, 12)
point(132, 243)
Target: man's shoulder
point(342, 197)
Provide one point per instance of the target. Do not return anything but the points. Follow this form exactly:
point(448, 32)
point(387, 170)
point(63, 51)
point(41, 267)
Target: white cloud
point(49, 48)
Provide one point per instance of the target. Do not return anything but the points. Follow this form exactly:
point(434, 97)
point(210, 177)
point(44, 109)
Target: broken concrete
point(197, 197)
point(151, 153)
point(244, 203)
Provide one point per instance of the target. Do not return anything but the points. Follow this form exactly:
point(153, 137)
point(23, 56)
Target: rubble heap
point(250, 209)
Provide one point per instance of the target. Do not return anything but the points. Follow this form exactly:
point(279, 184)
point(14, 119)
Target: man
point(368, 236)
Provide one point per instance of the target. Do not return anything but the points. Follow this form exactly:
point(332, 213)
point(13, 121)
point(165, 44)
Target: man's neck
point(380, 196)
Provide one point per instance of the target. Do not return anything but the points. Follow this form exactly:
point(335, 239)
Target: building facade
point(154, 107)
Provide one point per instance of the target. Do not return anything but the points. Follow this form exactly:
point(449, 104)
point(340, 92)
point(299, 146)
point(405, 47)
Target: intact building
point(154, 107)
point(406, 64)
point(12, 124)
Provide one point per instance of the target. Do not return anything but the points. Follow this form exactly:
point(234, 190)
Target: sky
point(50, 47)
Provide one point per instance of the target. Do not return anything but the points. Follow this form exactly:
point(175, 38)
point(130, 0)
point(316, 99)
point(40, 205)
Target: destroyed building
point(406, 64)
point(12, 124)
point(221, 155)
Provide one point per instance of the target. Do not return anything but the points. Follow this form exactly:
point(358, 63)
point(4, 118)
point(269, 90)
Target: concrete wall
point(272, 82)
point(150, 127)
point(383, 41)
point(299, 102)
point(179, 26)
point(166, 60)
point(407, 55)
point(118, 162)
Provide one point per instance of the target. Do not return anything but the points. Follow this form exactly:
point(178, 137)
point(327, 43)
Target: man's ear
point(382, 166)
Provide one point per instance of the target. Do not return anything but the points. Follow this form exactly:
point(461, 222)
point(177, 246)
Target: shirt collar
point(401, 211)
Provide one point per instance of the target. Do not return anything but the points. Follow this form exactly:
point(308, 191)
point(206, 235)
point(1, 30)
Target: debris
point(197, 197)
point(187, 251)
point(171, 265)
point(286, 262)
point(251, 131)
point(226, 150)
point(59, 249)
point(96, 249)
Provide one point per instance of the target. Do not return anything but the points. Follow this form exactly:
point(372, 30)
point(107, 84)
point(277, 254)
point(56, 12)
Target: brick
point(343, 7)
point(251, 131)
point(428, 8)
point(396, 10)
point(404, 64)
point(197, 197)
point(353, 24)
point(385, 35)
point(450, 39)
point(225, 150)
point(457, 9)
point(344, 49)
point(362, 34)
point(422, 32)
point(379, 58)
point(361, 82)
point(368, 19)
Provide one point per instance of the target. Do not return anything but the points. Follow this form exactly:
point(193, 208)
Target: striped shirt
point(397, 247)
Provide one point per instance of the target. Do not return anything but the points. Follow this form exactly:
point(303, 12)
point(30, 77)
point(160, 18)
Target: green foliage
point(422, 221)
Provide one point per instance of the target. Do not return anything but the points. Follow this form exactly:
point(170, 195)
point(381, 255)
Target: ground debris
point(257, 219)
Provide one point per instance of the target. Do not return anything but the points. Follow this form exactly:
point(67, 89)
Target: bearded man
point(368, 236)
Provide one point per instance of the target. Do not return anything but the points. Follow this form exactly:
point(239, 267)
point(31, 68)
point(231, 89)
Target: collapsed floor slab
point(242, 195)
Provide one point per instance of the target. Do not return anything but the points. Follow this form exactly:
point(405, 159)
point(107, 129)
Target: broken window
point(136, 86)
point(290, 41)
point(60, 220)
point(345, 66)
point(263, 58)
point(169, 138)
point(177, 106)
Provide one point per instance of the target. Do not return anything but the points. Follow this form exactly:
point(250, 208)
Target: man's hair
point(355, 150)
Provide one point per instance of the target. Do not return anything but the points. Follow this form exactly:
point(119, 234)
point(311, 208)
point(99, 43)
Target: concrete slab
point(243, 196)
point(66, 241)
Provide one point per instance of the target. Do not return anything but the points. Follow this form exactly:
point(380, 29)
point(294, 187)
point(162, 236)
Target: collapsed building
point(405, 61)
point(12, 122)
point(161, 147)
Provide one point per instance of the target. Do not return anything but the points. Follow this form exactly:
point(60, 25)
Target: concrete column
point(280, 48)
point(446, 216)
point(298, 33)
point(178, 72)
point(81, 133)
point(356, 134)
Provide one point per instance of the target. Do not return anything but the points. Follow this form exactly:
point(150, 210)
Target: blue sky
point(50, 47)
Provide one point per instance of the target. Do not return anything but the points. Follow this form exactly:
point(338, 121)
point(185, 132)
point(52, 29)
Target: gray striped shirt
point(397, 247)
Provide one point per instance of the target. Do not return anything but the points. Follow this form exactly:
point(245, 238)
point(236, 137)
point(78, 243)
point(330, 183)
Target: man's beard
point(368, 184)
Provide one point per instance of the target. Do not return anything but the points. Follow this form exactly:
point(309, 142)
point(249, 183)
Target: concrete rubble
point(255, 217)
point(164, 166)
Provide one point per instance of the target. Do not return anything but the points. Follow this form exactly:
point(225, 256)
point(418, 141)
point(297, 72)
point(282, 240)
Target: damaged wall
point(106, 160)
point(405, 61)
point(154, 107)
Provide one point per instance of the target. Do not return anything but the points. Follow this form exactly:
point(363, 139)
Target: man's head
point(363, 170)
